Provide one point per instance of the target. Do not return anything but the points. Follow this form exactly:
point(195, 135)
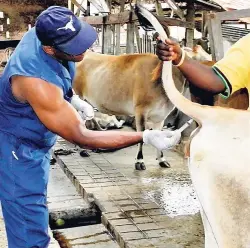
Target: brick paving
point(63, 197)
point(130, 214)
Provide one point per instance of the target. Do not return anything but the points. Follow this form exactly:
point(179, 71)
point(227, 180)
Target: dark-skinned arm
point(198, 74)
point(61, 118)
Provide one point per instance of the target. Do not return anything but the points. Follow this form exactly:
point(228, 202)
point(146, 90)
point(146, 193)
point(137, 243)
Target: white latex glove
point(85, 110)
point(161, 140)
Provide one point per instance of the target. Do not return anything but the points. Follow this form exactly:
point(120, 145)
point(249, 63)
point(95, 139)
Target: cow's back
point(116, 84)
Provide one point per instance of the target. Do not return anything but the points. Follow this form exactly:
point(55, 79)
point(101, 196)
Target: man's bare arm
point(202, 76)
point(61, 118)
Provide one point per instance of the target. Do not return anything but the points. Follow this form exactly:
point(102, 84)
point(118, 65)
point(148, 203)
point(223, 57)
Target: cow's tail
point(196, 111)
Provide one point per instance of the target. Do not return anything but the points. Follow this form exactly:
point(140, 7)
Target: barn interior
point(96, 198)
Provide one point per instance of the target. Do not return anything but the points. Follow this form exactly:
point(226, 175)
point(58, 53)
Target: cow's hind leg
point(140, 127)
point(160, 157)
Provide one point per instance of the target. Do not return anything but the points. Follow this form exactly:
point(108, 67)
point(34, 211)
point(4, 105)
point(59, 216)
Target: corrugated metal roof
point(234, 4)
point(233, 34)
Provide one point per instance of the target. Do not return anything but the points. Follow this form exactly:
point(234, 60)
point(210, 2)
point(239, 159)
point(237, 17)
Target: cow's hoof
point(140, 166)
point(164, 164)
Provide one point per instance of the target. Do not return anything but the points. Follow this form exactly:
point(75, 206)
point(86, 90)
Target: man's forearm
point(108, 139)
point(202, 76)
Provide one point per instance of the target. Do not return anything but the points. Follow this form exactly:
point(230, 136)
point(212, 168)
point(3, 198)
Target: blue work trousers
point(24, 174)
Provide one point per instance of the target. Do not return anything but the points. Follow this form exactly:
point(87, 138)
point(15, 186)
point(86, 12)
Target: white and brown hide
point(127, 85)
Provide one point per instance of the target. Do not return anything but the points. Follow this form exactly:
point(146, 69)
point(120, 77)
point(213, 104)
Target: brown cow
point(127, 85)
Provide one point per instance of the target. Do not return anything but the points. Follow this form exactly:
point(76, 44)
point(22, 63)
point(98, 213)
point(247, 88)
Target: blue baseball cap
point(59, 27)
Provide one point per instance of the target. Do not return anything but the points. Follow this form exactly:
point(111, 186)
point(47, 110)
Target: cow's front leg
point(139, 165)
point(159, 155)
point(140, 127)
point(162, 160)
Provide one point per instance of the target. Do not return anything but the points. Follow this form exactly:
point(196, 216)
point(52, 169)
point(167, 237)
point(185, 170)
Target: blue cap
point(59, 27)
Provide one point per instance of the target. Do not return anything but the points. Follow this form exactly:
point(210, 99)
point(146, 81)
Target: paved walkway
point(63, 200)
point(152, 208)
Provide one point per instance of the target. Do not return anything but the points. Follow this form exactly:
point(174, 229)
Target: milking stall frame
point(216, 33)
point(199, 14)
point(110, 24)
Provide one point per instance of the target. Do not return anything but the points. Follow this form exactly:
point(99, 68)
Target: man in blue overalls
point(35, 97)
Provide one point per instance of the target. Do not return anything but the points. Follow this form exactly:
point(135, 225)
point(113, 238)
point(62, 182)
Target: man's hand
point(198, 74)
point(169, 51)
point(161, 140)
point(85, 110)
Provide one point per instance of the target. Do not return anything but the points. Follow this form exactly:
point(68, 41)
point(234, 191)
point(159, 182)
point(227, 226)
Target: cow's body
point(218, 159)
point(220, 172)
point(127, 85)
point(120, 84)
point(219, 167)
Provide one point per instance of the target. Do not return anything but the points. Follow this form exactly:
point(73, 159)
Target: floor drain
point(74, 218)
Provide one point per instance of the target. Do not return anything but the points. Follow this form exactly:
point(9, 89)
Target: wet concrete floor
point(152, 208)
point(170, 188)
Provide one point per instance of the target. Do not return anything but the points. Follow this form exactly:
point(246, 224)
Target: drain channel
point(74, 218)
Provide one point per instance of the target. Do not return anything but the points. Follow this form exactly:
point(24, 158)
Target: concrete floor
point(63, 199)
point(84, 230)
point(3, 238)
point(171, 188)
point(152, 208)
